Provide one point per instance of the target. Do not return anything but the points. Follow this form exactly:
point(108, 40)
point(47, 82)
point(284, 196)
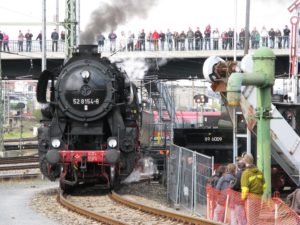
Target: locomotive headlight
point(55, 143)
point(112, 142)
point(85, 74)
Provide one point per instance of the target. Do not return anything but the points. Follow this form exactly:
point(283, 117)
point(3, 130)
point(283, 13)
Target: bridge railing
point(175, 44)
point(35, 46)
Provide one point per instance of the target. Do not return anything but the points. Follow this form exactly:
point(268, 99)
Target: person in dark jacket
point(39, 37)
point(190, 36)
point(62, 36)
point(286, 37)
point(141, 39)
point(198, 39)
point(176, 40)
point(272, 35)
point(230, 38)
point(101, 40)
point(278, 36)
point(182, 38)
point(225, 182)
point(238, 213)
point(113, 40)
point(54, 37)
point(162, 37)
point(212, 181)
point(28, 37)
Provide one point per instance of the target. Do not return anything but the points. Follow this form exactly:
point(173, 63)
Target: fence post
point(168, 172)
point(179, 176)
point(226, 208)
point(276, 214)
point(209, 207)
point(194, 174)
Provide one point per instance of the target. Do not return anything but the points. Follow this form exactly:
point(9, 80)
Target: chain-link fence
point(188, 172)
point(174, 167)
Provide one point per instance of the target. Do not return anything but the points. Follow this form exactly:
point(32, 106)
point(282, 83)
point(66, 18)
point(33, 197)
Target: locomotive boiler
point(90, 127)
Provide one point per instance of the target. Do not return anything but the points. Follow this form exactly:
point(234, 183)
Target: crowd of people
point(244, 178)
point(208, 39)
point(27, 39)
point(196, 40)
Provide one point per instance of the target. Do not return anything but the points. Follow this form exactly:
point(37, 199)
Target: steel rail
point(16, 160)
point(89, 214)
point(17, 147)
point(19, 167)
point(163, 213)
point(18, 139)
point(19, 176)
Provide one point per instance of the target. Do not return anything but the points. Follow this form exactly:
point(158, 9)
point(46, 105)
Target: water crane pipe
point(263, 78)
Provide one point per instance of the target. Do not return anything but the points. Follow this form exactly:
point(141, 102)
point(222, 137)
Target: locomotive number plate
point(213, 139)
point(86, 101)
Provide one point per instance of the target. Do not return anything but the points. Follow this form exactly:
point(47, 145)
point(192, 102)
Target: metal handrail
point(187, 44)
point(168, 101)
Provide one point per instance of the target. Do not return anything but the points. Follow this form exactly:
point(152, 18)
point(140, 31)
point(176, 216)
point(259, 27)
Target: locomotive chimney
point(87, 49)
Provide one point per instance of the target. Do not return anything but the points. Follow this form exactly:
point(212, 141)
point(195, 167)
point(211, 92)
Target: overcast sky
point(173, 14)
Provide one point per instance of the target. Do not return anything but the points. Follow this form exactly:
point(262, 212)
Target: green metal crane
point(263, 77)
point(70, 26)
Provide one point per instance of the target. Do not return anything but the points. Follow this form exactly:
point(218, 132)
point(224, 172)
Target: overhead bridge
point(169, 65)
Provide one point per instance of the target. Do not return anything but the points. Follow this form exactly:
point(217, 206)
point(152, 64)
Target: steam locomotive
point(90, 128)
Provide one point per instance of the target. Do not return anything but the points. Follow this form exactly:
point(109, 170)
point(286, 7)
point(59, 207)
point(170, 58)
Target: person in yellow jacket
point(252, 181)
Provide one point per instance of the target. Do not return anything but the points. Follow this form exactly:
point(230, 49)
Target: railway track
point(20, 144)
point(18, 139)
point(19, 159)
point(19, 163)
point(121, 211)
point(8, 177)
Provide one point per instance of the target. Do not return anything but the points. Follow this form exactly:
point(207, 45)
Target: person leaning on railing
point(20, 41)
point(141, 39)
point(207, 34)
point(279, 38)
point(198, 39)
point(169, 36)
point(28, 37)
point(39, 38)
point(155, 37)
point(162, 37)
point(5, 42)
point(190, 36)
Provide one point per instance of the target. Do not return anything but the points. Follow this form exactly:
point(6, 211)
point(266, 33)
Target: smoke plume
point(136, 68)
point(109, 16)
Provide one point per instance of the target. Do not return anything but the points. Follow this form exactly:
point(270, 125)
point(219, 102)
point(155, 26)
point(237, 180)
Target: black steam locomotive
point(90, 127)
